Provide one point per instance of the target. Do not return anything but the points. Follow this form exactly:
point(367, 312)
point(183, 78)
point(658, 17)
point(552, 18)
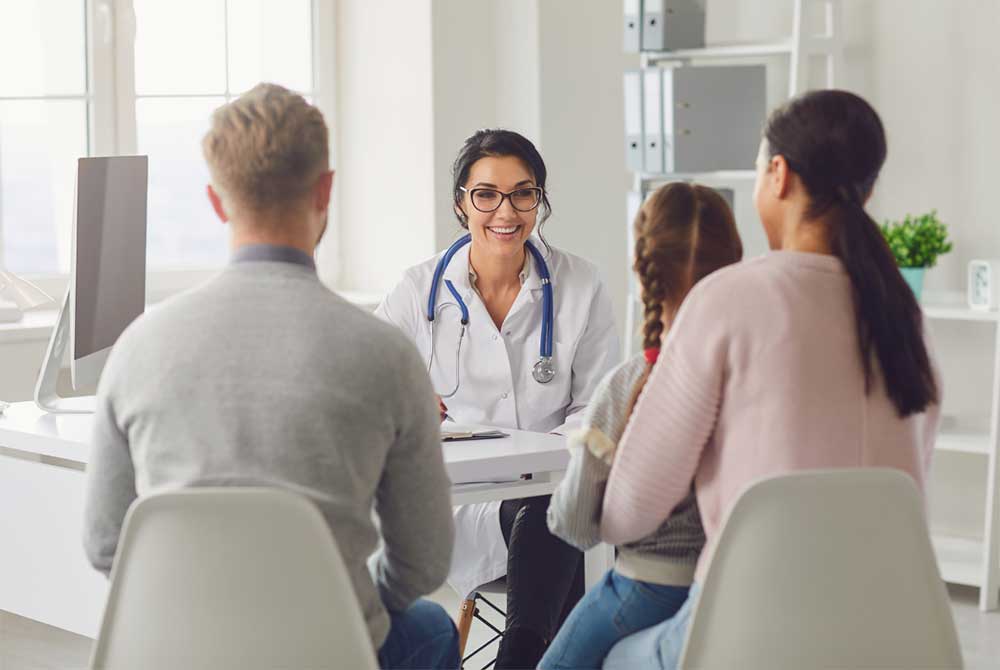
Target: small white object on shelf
point(984, 285)
point(17, 295)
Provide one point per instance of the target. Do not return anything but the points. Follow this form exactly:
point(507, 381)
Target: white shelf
point(957, 312)
point(747, 50)
point(960, 559)
point(966, 442)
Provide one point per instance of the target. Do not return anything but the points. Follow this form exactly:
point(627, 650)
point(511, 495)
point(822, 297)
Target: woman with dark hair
point(810, 357)
point(516, 334)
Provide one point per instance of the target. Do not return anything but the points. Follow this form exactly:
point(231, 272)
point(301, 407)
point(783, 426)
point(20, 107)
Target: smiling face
point(503, 231)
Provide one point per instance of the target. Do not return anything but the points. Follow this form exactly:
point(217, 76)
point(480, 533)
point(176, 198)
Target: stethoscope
point(543, 371)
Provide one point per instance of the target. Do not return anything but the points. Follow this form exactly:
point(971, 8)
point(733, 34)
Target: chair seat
point(496, 586)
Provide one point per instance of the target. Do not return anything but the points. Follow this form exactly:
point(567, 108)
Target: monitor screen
point(109, 258)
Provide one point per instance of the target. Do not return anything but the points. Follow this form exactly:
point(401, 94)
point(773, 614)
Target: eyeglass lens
point(488, 199)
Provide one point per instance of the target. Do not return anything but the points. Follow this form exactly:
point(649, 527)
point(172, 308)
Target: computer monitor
point(107, 288)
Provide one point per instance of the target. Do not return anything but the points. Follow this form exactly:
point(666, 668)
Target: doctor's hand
point(443, 409)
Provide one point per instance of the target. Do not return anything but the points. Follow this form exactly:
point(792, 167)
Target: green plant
point(917, 241)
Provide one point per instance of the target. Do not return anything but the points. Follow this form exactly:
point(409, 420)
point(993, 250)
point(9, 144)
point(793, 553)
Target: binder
point(652, 115)
point(716, 116)
point(633, 120)
point(672, 24)
point(667, 103)
point(633, 25)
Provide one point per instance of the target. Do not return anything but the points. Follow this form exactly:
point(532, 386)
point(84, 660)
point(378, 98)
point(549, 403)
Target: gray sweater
point(668, 555)
point(264, 375)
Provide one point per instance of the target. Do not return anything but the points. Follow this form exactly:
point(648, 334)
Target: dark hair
point(498, 142)
point(835, 142)
point(683, 233)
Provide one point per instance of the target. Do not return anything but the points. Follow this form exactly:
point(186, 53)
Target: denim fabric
point(614, 609)
point(422, 637)
point(656, 648)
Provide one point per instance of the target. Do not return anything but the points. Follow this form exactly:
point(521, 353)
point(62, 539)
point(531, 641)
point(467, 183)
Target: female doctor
point(516, 334)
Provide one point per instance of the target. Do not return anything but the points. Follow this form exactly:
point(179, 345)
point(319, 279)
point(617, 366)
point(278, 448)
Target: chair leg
point(465, 617)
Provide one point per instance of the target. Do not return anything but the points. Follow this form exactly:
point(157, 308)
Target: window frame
point(111, 120)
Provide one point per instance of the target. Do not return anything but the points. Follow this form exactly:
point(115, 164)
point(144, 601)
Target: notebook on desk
point(459, 435)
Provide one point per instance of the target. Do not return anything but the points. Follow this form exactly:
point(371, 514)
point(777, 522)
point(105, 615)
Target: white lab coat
point(496, 387)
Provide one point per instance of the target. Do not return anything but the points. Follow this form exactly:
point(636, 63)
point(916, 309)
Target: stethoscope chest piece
point(544, 371)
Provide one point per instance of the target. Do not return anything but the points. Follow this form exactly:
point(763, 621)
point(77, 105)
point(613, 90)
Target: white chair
point(824, 569)
point(230, 578)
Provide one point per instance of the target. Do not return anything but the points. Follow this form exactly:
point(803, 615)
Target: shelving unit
point(971, 561)
point(799, 47)
point(974, 561)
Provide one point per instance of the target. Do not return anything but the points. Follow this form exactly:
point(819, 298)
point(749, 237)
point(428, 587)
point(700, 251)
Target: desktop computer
point(107, 288)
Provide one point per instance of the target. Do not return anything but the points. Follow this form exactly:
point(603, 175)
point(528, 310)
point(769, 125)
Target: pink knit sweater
point(760, 375)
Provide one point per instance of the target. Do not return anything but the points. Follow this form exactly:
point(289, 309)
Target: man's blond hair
point(266, 148)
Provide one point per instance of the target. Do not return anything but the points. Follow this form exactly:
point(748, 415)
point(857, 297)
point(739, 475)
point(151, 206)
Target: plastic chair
point(230, 578)
point(824, 569)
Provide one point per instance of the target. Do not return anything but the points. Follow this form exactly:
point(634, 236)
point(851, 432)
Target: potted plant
point(916, 242)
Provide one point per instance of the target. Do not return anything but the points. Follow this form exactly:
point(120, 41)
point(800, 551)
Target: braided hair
point(683, 233)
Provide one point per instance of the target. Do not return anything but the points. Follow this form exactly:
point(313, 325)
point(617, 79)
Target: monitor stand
point(46, 392)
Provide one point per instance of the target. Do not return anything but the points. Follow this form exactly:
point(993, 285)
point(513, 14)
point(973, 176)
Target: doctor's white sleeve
point(596, 354)
point(402, 307)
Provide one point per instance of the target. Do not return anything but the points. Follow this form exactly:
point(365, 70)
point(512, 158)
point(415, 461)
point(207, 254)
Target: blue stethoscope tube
point(543, 372)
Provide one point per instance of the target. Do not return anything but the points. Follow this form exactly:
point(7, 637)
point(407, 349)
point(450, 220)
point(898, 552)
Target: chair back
point(824, 569)
point(230, 578)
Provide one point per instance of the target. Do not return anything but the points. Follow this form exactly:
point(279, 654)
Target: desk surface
point(25, 428)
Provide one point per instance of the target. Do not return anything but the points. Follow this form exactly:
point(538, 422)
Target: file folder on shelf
point(668, 25)
point(633, 120)
point(652, 119)
point(633, 26)
point(713, 116)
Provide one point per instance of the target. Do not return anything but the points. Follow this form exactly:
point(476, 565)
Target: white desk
point(44, 574)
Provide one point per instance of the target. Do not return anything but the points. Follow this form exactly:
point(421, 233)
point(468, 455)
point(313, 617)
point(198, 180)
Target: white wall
point(464, 63)
point(384, 192)
point(582, 121)
point(485, 58)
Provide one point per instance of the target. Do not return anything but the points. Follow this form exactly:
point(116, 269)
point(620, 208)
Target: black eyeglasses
point(489, 199)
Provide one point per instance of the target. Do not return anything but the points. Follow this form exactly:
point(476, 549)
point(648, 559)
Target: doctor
point(516, 334)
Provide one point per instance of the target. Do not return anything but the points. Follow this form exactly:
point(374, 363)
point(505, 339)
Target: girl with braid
point(683, 233)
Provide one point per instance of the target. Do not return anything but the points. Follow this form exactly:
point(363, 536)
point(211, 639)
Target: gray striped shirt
point(666, 556)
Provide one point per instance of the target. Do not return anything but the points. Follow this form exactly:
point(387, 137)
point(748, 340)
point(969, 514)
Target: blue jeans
point(657, 648)
point(614, 609)
point(423, 636)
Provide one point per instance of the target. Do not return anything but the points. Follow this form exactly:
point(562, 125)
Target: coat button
point(504, 396)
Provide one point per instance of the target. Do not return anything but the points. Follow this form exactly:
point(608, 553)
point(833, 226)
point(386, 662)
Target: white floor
point(28, 645)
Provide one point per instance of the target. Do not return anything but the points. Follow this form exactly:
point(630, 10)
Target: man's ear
point(217, 205)
point(322, 190)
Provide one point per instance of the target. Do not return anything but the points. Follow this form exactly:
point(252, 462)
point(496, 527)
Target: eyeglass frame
point(472, 193)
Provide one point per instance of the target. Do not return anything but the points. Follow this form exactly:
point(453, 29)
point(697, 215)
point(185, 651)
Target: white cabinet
point(964, 477)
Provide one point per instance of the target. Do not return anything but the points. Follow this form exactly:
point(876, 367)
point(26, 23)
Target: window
point(135, 76)
point(44, 102)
